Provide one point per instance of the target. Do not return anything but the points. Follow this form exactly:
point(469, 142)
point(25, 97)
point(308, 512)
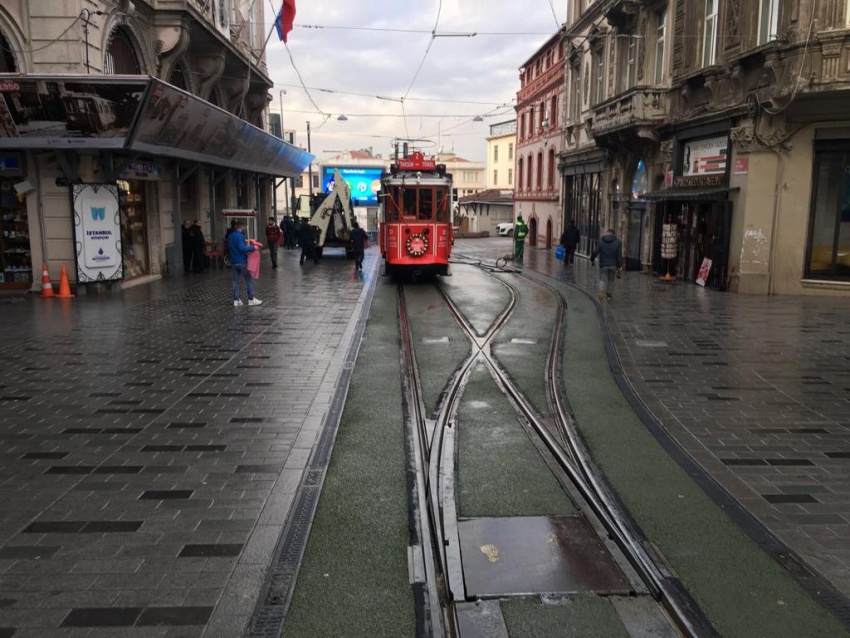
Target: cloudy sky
point(348, 52)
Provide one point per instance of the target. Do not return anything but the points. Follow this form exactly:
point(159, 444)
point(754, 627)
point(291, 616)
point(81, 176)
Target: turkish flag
point(285, 18)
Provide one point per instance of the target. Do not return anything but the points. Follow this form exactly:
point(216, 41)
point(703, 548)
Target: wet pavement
point(756, 389)
point(151, 442)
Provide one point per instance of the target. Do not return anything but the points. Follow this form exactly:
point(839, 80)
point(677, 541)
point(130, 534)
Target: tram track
point(433, 447)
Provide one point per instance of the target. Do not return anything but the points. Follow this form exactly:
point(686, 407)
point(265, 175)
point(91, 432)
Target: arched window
point(551, 176)
point(539, 171)
point(7, 60)
point(522, 127)
point(530, 172)
point(519, 174)
point(120, 56)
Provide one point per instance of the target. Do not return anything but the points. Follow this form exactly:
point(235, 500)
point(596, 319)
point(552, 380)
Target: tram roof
point(143, 115)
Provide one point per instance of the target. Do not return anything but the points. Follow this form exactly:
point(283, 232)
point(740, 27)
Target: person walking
point(307, 238)
point(238, 249)
point(569, 240)
point(187, 246)
point(610, 253)
point(358, 241)
point(288, 232)
point(520, 231)
point(274, 236)
point(199, 247)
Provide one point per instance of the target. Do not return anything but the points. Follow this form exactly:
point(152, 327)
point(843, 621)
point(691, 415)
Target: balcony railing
point(638, 107)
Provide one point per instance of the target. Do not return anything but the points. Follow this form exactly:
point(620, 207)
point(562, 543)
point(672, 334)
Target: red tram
point(415, 234)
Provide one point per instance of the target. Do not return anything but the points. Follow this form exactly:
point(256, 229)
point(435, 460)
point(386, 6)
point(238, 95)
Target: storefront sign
point(741, 166)
point(97, 227)
point(705, 156)
point(699, 181)
point(142, 170)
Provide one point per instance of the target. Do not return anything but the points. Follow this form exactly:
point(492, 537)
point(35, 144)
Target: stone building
point(119, 119)
point(720, 125)
point(539, 136)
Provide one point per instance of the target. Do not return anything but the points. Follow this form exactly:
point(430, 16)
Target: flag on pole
point(284, 20)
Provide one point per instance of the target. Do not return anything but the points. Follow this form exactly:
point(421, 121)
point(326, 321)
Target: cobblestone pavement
point(151, 443)
point(756, 389)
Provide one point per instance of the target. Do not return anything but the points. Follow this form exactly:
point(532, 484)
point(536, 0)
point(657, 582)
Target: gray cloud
point(483, 68)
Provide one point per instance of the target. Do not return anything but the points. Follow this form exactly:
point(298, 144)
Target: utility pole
point(310, 150)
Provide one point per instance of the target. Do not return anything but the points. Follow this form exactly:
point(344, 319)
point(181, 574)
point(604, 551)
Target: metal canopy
point(705, 193)
point(138, 114)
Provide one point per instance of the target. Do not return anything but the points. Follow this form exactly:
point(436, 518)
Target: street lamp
point(310, 150)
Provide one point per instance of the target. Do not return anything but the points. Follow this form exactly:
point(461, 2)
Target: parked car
point(505, 229)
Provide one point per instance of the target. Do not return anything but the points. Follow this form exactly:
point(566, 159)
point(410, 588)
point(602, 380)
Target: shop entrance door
point(634, 246)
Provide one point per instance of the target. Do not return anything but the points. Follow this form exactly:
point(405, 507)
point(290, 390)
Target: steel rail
point(575, 462)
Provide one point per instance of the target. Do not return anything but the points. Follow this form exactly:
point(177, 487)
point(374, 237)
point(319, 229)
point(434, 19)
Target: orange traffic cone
point(64, 287)
point(46, 286)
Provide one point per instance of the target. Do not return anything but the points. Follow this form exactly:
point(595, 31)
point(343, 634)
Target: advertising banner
point(97, 229)
point(365, 182)
point(67, 113)
point(705, 156)
point(177, 124)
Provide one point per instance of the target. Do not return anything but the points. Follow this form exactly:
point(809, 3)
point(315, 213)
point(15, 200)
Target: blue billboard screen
point(364, 183)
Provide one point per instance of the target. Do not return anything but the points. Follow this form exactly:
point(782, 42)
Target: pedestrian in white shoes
point(239, 249)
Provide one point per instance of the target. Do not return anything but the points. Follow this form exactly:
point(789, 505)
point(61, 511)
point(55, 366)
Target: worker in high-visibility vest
point(520, 231)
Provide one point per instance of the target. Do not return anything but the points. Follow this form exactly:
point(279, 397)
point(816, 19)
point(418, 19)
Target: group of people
point(289, 234)
point(608, 249)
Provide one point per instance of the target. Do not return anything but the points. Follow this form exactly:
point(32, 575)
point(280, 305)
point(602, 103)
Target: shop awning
point(690, 194)
point(138, 114)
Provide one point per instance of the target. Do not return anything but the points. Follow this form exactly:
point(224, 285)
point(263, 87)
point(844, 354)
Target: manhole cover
point(535, 554)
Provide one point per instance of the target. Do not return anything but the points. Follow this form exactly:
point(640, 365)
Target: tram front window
point(426, 203)
point(442, 205)
point(409, 202)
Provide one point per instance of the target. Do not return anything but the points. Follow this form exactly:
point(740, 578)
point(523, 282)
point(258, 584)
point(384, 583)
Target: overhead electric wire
point(53, 41)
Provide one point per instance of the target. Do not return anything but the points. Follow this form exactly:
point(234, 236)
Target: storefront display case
point(15, 255)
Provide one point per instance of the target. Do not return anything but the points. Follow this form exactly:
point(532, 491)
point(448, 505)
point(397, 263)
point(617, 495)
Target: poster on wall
point(705, 156)
point(97, 232)
point(702, 276)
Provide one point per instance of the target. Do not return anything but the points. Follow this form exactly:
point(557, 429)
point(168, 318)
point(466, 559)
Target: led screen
point(364, 183)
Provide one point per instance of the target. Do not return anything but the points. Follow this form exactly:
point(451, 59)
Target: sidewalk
point(755, 389)
point(152, 442)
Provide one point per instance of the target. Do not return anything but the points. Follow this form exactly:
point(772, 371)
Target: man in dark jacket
point(569, 240)
point(358, 242)
point(307, 238)
point(610, 253)
point(199, 246)
point(188, 249)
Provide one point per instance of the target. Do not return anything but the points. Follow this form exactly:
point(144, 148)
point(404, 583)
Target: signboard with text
point(705, 156)
point(97, 230)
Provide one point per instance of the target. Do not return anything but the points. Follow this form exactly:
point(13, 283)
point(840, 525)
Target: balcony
point(632, 114)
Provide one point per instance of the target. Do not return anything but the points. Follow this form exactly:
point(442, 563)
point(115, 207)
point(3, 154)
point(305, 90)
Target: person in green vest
point(520, 231)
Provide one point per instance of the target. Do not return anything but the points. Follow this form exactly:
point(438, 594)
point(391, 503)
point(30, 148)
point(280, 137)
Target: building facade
point(712, 135)
point(539, 140)
point(501, 147)
point(118, 121)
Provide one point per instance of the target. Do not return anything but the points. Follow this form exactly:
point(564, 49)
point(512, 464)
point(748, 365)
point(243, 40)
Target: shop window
point(134, 240)
point(829, 235)
point(15, 255)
